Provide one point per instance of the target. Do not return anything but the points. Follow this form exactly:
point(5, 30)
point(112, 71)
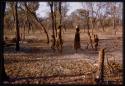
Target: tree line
point(22, 16)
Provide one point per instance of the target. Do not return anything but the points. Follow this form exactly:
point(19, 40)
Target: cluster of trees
point(93, 15)
point(22, 16)
point(100, 15)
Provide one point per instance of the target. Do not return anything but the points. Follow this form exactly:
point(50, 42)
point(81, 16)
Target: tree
point(12, 17)
point(52, 17)
point(88, 27)
point(114, 10)
point(56, 16)
point(59, 24)
point(64, 10)
point(86, 14)
point(53, 29)
point(100, 16)
point(3, 75)
point(25, 18)
point(60, 12)
point(9, 18)
point(90, 6)
point(17, 29)
point(33, 6)
point(31, 11)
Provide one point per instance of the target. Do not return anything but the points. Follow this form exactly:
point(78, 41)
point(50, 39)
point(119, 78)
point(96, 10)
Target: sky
point(44, 9)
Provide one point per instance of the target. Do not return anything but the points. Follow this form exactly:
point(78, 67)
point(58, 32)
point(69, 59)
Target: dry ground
point(36, 63)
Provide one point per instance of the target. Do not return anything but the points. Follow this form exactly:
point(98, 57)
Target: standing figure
point(77, 39)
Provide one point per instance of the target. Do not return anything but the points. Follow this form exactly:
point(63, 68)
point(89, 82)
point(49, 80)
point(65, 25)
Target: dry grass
point(67, 69)
point(37, 64)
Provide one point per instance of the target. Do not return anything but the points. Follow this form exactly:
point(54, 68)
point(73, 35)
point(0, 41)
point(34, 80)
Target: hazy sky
point(72, 6)
point(44, 9)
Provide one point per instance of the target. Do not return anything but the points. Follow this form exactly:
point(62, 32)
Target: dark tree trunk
point(3, 75)
point(53, 31)
point(28, 22)
point(52, 16)
point(24, 32)
point(29, 27)
point(17, 29)
point(88, 32)
point(55, 23)
point(60, 12)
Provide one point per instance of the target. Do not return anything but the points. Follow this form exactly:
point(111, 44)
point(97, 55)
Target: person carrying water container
point(77, 39)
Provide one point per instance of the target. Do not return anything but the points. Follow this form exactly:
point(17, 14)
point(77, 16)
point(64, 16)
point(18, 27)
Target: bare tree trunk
point(60, 12)
point(17, 29)
point(100, 76)
point(90, 38)
point(52, 16)
point(3, 75)
point(92, 18)
point(38, 22)
point(53, 31)
point(55, 23)
point(60, 32)
point(45, 32)
point(29, 27)
point(13, 13)
point(93, 25)
point(24, 32)
point(28, 22)
point(114, 25)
